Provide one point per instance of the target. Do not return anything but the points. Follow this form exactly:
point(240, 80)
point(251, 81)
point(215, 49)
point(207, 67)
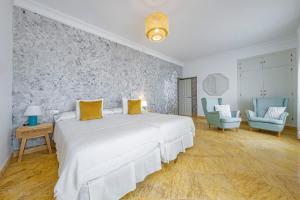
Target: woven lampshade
point(157, 26)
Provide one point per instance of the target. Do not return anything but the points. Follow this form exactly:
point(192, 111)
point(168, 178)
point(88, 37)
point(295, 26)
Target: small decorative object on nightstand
point(32, 112)
point(29, 132)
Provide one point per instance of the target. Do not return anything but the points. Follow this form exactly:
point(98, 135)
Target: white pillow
point(107, 112)
point(125, 106)
point(78, 107)
point(224, 110)
point(117, 110)
point(274, 112)
point(65, 116)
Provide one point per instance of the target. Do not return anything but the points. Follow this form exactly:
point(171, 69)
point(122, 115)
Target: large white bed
point(104, 159)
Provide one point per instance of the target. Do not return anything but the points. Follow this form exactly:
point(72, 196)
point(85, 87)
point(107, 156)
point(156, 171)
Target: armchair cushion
point(231, 120)
point(274, 112)
point(224, 110)
point(266, 120)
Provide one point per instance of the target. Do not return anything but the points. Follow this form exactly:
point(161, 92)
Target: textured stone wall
point(54, 64)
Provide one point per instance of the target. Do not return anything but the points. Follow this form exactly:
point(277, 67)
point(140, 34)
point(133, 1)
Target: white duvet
point(172, 129)
point(170, 126)
point(88, 150)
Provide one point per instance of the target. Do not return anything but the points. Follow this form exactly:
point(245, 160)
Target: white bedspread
point(87, 150)
point(176, 132)
point(91, 149)
point(171, 126)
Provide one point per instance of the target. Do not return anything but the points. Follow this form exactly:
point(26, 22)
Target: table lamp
point(32, 112)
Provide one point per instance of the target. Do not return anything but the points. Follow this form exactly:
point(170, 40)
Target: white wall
point(226, 63)
point(5, 79)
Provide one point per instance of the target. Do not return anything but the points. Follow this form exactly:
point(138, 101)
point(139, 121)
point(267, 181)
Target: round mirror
point(215, 84)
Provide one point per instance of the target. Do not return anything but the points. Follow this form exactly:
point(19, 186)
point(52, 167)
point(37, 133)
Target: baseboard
point(2, 170)
point(291, 128)
point(200, 117)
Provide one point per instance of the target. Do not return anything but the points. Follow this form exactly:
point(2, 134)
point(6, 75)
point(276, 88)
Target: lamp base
point(32, 120)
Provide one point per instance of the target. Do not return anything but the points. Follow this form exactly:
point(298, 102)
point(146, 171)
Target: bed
point(177, 132)
point(104, 159)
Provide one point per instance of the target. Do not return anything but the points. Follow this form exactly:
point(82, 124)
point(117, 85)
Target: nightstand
point(28, 132)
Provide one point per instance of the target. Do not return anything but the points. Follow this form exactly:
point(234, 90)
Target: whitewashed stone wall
point(54, 64)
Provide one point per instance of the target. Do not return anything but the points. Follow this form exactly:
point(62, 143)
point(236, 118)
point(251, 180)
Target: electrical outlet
point(53, 112)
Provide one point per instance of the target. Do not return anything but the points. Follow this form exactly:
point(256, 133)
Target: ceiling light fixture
point(157, 26)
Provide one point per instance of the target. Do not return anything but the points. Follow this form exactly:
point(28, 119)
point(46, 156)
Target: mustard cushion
point(90, 110)
point(134, 107)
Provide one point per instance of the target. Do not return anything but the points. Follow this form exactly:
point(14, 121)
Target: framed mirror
point(215, 84)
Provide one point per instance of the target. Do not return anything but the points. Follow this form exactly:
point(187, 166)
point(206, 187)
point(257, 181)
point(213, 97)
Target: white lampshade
point(33, 111)
point(144, 103)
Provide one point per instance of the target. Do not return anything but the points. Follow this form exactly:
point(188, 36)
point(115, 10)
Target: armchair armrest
point(235, 113)
point(213, 118)
point(250, 114)
point(283, 116)
point(215, 114)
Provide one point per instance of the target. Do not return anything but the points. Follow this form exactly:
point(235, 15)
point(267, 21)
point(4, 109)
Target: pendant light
point(157, 26)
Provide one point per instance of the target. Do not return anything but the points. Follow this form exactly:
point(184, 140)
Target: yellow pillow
point(90, 110)
point(134, 107)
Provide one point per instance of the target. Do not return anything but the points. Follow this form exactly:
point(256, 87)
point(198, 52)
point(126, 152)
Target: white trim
point(4, 165)
point(77, 23)
point(285, 43)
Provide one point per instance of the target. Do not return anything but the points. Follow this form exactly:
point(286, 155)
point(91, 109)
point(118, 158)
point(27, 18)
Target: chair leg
point(208, 125)
point(237, 129)
point(175, 161)
point(279, 134)
point(223, 129)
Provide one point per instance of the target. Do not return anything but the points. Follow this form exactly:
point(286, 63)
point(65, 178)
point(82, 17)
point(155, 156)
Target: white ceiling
point(197, 27)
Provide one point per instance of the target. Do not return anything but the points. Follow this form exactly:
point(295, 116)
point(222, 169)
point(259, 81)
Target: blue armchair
point(256, 118)
point(213, 117)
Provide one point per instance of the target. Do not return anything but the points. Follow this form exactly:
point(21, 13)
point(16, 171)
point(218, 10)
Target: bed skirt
point(173, 148)
point(118, 183)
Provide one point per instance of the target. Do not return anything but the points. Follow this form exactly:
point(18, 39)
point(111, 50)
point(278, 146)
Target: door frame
point(195, 77)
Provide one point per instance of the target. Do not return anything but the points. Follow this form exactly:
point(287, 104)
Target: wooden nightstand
point(28, 132)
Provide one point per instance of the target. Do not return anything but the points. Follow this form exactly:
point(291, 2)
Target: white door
point(185, 97)
point(278, 79)
point(250, 83)
point(188, 97)
point(181, 99)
